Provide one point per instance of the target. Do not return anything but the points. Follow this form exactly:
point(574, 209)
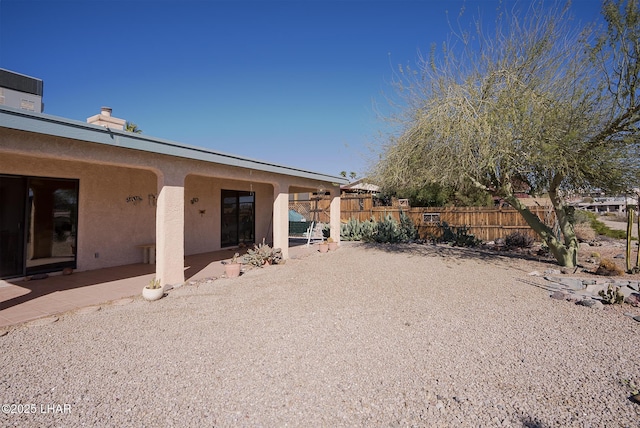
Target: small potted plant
point(333, 245)
point(153, 290)
point(232, 268)
point(323, 246)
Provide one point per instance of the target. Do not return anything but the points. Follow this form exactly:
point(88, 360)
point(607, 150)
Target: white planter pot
point(152, 293)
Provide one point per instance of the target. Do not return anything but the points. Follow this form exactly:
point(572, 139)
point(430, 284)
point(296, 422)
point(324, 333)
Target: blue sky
point(296, 83)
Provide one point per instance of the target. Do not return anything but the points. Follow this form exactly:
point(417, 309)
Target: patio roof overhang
point(56, 126)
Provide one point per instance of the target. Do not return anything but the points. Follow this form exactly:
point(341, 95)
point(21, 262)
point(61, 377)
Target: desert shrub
point(355, 230)
point(602, 229)
point(407, 228)
point(350, 231)
point(582, 216)
point(518, 240)
point(261, 254)
point(389, 230)
point(457, 236)
point(608, 267)
point(584, 232)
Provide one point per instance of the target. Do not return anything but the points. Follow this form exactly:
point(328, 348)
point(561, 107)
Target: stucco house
point(91, 195)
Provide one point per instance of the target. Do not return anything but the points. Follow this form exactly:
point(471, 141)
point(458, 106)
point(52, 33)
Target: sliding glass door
point(12, 220)
point(238, 218)
point(38, 225)
point(52, 213)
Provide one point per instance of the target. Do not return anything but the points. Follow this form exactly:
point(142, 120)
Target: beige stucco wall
point(108, 175)
point(202, 231)
point(107, 223)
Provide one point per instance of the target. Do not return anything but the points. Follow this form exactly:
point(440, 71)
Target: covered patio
point(88, 197)
point(24, 301)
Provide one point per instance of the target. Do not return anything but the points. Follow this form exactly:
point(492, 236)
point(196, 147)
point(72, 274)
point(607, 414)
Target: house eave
point(60, 127)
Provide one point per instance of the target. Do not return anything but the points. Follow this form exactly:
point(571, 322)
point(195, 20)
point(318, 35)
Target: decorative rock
point(552, 272)
point(568, 283)
point(534, 273)
point(637, 318)
point(626, 291)
point(67, 271)
point(594, 289)
point(633, 299)
point(634, 285)
point(3, 332)
point(559, 295)
point(590, 303)
point(587, 282)
point(619, 256)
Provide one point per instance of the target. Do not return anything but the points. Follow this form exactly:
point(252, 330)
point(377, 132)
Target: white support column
point(281, 218)
point(334, 214)
point(170, 230)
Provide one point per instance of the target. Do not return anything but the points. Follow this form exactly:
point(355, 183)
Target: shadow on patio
point(22, 301)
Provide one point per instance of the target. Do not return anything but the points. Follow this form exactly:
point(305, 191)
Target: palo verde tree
point(538, 105)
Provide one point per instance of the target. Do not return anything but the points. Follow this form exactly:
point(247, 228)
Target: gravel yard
point(407, 335)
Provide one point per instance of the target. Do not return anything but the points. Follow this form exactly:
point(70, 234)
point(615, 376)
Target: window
point(431, 217)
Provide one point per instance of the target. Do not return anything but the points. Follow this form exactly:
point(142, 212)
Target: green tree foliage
point(437, 195)
point(537, 106)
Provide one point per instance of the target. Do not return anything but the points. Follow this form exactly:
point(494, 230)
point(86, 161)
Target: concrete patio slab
point(24, 301)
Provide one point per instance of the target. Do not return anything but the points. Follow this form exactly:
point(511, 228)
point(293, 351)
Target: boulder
point(568, 283)
point(590, 303)
point(633, 299)
point(558, 295)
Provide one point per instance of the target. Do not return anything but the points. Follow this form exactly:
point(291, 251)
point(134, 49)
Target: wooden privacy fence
point(486, 223)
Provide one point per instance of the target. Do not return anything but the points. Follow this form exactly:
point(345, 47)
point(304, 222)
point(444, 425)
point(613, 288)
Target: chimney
point(105, 119)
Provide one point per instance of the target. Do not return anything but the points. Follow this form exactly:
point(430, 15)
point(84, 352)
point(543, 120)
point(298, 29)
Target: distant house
point(360, 186)
point(613, 204)
point(91, 195)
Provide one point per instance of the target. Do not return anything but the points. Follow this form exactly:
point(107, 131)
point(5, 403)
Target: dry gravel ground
point(412, 335)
